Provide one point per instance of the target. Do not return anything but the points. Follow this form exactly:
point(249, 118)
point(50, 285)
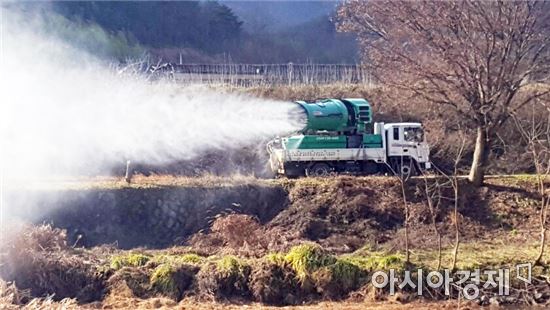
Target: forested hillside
point(208, 26)
point(201, 31)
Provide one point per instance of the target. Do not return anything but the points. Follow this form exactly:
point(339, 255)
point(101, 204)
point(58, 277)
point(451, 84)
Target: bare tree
point(456, 199)
point(402, 179)
point(433, 195)
point(480, 58)
point(407, 218)
point(434, 191)
point(536, 134)
point(453, 178)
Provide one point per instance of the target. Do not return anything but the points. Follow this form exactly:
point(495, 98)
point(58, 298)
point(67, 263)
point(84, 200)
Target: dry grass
point(219, 274)
point(138, 182)
point(313, 92)
point(191, 303)
point(484, 254)
point(210, 180)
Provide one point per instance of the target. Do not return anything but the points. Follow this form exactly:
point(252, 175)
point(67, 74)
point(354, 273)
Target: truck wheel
point(318, 170)
point(404, 168)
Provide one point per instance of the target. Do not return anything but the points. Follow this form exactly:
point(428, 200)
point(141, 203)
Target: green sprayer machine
point(339, 136)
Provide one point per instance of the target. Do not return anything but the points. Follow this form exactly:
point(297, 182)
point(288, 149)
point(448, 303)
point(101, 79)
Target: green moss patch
point(129, 260)
point(306, 258)
point(172, 280)
point(376, 261)
point(188, 258)
point(337, 280)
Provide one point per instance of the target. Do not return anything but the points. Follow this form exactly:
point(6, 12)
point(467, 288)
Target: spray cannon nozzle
point(298, 117)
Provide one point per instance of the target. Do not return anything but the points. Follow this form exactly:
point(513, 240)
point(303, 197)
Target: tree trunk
point(541, 249)
point(456, 223)
point(406, 224)
point(481, 152)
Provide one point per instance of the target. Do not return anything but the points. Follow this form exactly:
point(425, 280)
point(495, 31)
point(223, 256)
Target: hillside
point(198, 31)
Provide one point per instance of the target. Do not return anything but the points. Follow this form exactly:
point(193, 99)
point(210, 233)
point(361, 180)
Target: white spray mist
point(65, 112)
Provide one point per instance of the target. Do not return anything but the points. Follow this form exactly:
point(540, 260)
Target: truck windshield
point(414, 134)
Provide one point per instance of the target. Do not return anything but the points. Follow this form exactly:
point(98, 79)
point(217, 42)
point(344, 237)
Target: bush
point(225, 278)
point(274, 283)
point(136, 279)
point(172, 280)
point(306, 258)
point(338, 279)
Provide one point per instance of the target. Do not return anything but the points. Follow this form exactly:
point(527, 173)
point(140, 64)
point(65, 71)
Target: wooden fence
point(250, 75)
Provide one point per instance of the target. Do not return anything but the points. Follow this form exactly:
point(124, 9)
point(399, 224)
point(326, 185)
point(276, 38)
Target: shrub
point(136, 279)
point(306, 258)
point(337, 280)
point(172, 280)
point(274, 283)
point(224, 278)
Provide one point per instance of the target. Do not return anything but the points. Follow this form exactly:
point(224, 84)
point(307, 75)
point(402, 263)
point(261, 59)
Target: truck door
point(394, 139)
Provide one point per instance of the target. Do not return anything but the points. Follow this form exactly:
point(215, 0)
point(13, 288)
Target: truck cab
point(406, 147)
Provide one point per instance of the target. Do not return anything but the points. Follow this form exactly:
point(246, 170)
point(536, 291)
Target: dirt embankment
point(342, 214)
point(346, 213)
point(153, 217)
point(272, 242)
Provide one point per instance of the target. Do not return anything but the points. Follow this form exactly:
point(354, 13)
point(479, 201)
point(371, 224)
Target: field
point(211, 242)
point(218, 232)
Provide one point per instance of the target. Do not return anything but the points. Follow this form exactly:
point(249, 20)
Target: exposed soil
point(342, 213)
point(251, 220)
point(346, 213)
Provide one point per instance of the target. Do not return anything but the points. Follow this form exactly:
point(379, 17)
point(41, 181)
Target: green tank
point(329, 115)
point(333, 124)
point(336, 115)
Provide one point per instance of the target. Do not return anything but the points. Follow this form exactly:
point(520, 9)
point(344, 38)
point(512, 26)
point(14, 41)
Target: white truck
point(339, 137)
